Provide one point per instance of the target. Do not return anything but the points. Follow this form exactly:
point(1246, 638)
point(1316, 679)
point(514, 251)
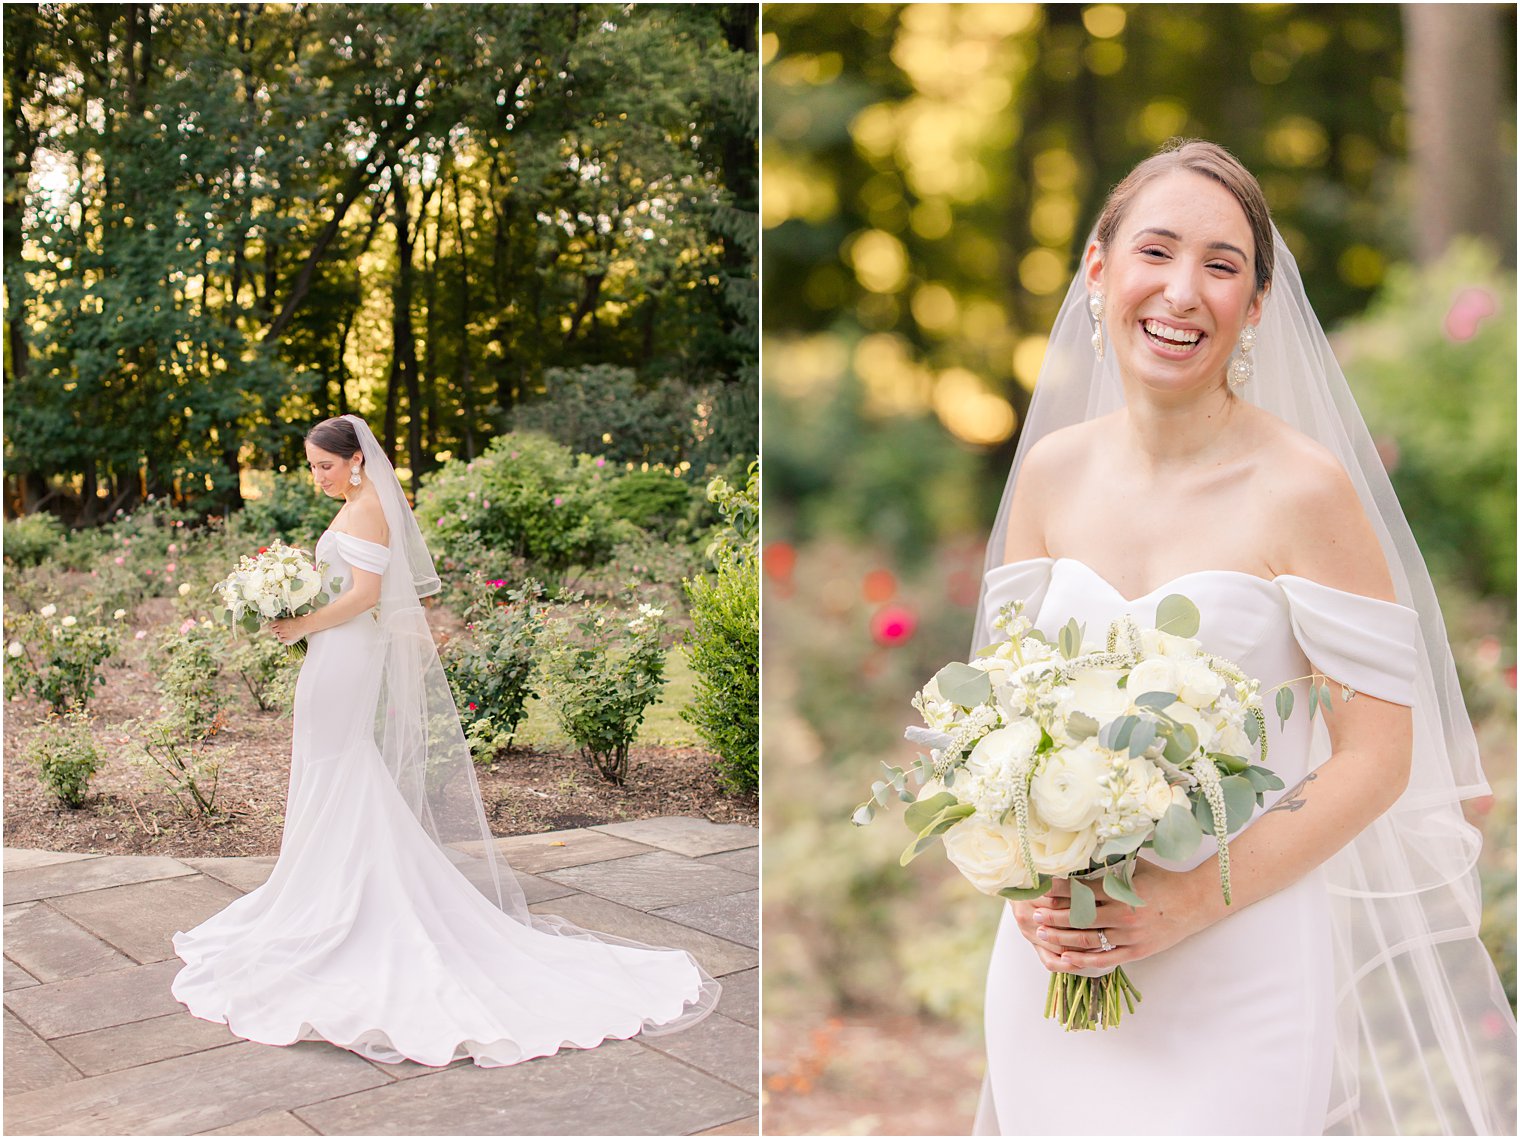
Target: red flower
point(893, 625)
point(262, 549)
point(471, 706)
point(779, 559)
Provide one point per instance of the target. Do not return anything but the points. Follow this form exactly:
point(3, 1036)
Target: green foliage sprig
point(56, 657)
point(491, 670)
point(66, 758)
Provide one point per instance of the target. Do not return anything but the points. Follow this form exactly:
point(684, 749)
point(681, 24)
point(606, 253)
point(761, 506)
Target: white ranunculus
point(988, 854)
point(1201, 685)
point(15, 648)
point(70, 622)
point(1065, 792)
point(49, 610)
point(1231, 740)
point(1169, 645)
point(1061, 852)
point(1154, 674)
point(1158, 792)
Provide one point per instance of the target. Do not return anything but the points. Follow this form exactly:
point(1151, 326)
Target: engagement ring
point(1104, 945)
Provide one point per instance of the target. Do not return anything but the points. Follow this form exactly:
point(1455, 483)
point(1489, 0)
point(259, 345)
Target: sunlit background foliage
point(223, 221)
point(930, 173)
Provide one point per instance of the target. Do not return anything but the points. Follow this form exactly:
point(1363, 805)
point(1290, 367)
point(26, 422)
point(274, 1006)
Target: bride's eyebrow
point(1235, 249)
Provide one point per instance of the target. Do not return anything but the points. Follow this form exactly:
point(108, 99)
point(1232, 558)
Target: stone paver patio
point(96, 1044)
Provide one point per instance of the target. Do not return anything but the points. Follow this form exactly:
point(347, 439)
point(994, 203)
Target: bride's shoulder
point(366, 519)
point(1318, 525)
point(1062, 448)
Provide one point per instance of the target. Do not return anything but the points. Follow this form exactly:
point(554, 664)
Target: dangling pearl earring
point(1095, 306)
point(353, 478)
point(1241, 368)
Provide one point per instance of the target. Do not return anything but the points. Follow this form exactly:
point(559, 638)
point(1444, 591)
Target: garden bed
point(542, 787)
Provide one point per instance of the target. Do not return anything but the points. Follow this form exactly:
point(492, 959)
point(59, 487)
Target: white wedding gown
point(1236, 1033)
point(366, 935)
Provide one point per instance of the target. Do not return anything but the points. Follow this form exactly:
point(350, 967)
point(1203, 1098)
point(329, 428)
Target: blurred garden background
point(521, 240)
point(929, 175)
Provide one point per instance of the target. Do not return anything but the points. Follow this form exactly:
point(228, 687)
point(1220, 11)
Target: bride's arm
point(1368, 768)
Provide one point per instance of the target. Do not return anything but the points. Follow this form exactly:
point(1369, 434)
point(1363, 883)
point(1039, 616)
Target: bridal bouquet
point(1066, 760)
point(280, 582)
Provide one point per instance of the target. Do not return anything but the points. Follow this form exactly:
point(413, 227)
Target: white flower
point(184, 588)
point(15, 648)
point(1201, 685)
point(988, 854)
point(119, 614)
point(49, 610)
point(70, 622)
point(1061, 852)
point(1187, 714)
point(1169, 645)
point(1232, 740)
point(1095, 693)
point(650, 611)
point(995, 766)
point(1154, 674)
point(1065, 792)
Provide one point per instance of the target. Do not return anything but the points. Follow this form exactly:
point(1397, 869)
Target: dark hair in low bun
point(336, 436)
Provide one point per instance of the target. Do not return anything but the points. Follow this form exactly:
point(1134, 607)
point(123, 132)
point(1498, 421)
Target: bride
point(1192, 433)
point(368, 933)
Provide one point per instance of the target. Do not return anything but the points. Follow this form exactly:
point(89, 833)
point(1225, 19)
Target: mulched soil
point(525, 792)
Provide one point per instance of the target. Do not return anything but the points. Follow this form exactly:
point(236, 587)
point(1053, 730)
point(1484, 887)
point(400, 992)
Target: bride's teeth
point(1173, 335)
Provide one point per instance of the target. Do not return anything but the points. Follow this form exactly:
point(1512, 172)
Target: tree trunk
point(1452, 71)
point(462, 328)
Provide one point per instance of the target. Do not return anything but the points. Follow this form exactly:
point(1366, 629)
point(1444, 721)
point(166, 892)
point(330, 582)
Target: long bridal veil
point(1425, 1035)
point(418, 733)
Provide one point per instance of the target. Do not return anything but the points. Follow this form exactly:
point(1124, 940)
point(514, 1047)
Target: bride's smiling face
point(330, 471)
point(1178, 283)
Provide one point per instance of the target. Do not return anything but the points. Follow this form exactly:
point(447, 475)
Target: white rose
point(119, 614)
point(269, 606)
point(1231, 740)
point(70, 622)
point(1155, 674)
point(184, 588)
point(1201, 685)
point(1061, 852)
point(1065, 793)
point(998, 751)
point(15, 648)
point(49, 610)
point(1095, 693)
point(1169, 645)
point(988, 854)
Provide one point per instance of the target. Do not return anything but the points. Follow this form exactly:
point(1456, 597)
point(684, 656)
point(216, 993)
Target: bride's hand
point(1171, 913)
point(287, 630)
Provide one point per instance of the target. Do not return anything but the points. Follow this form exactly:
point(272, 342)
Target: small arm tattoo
point(1293, 798)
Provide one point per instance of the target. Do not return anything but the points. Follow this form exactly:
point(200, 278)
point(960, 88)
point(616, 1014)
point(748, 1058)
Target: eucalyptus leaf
point(1120, 844)
point(1273, 780)
point(863, 814)
point(1259, 778)
point(915, 848)
point(1084, 906)
point(1156, 700)
point(1070, 639)
point(1116, 733)
point(1239, 801)
point(1253, 729)
point(961, 684)
point(1204, 814)
point(1178, 616)
point(1117, 886)
point(1177, 834)
point(922, 813)
point(1081, 726)
point(1181, 742)
point(879, 792)
point(1027, 893)
point(1142, 737)
point(1284, 705)
point(1324, 698)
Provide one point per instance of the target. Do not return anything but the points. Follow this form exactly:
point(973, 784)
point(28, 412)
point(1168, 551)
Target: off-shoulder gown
point(365, 933)
point(1236, 1032)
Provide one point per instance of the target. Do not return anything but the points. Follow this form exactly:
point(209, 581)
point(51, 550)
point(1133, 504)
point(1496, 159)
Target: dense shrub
point(602, 670)
point(32, 539)
point(491, 669)
point(266, 668)
point(665, 505)
point(525, 497)
point(288, 507)
point(192, 662)
point(65, 755)
point(724, 643)
point(55, 656)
